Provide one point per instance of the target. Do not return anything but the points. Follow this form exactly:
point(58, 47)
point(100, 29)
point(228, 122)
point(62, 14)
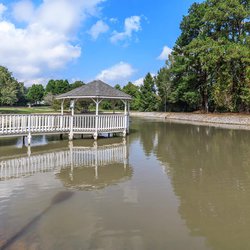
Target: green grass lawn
point(26, 110)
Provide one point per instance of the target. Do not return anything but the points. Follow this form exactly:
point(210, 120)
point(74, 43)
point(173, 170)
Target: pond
point(167, 186)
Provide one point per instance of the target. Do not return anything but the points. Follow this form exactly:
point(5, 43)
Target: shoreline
point(234, 121)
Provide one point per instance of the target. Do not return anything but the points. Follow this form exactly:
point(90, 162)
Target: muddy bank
point(240, 121)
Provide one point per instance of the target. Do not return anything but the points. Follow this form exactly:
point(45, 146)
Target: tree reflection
point(210, 173)
point(148, 135)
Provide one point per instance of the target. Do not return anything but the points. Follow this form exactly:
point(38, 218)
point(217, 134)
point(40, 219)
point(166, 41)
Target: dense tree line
point(208, 69)
point(13, 92)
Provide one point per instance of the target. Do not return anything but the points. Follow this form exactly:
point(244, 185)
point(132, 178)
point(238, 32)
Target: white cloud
point(23, 11)
point(113, 20)
point(40, 80)
point(3, 8)
point(47, 41)
point(166, 51)
point(98, 28)
point(131, 24)
point(119, 72)
point(139, 81)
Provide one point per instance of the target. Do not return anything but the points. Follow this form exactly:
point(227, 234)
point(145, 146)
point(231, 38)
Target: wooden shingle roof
point(95, 89)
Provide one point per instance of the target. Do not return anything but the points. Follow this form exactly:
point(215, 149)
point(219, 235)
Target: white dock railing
point(23, 124)
point(39, 124)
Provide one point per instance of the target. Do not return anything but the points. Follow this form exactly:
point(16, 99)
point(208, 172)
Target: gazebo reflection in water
point(83, 168)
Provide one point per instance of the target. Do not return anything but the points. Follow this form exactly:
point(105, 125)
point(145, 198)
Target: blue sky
point(115, 41)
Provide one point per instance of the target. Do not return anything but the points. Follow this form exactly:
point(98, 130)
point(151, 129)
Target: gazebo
point(91, 124)
point(97, 91)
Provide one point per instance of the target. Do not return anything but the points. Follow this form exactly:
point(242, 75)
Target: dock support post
point(95, 136)
point(29, 137)
point(23, 140)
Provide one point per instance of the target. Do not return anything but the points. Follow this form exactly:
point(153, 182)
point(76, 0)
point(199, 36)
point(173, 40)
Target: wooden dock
point(28, 125)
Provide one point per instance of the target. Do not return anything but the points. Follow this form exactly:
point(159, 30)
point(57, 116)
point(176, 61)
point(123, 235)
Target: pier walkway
point(27, 125)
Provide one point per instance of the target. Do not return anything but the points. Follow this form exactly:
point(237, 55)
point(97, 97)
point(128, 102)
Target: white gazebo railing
point(26, 125)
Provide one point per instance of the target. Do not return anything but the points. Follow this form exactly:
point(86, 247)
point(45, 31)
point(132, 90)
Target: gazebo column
point(62, 109)
point(97, 102)
point(72, 107)
point(125, 118)
point(61, 118)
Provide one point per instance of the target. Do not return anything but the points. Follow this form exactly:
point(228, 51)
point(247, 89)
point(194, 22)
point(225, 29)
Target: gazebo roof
point(95, 89)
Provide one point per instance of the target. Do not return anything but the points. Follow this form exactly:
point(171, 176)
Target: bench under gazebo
point(71, 124)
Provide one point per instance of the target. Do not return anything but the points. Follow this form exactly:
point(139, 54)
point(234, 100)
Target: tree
point(76, 84)
point(163, 84)
point(21, 94)
point(189, 90)
point(50, 87)
point(35, 93)
point(211, 59)
point(118, 86)
point(9, 87)
point(229, 38)
point(134, 92)
point(148, 98)
point(49, 99)
point(57, 87)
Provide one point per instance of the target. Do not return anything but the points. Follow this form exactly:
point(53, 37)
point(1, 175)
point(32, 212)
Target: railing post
point(29, 130)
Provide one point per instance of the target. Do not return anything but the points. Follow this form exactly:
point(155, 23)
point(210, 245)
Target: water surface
point(168, 186)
